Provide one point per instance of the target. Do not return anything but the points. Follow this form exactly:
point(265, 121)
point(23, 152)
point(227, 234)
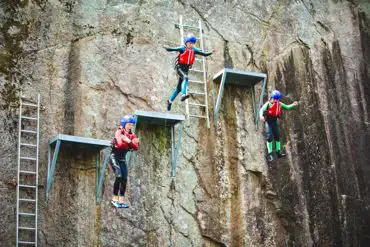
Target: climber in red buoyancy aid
point(270, 112)
point(124, 141)
point(185, 61)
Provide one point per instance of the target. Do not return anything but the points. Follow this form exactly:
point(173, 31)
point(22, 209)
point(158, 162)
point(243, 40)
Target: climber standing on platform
point(124, 141)
point(270, 112)
point(184, 62)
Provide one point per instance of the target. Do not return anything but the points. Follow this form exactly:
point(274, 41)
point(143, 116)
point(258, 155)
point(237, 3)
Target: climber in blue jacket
point(185, 60)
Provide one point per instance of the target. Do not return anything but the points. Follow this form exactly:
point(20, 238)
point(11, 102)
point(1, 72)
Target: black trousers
point(272, 131)
point(120, 168)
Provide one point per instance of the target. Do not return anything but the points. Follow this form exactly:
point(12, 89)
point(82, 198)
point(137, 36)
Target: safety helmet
point(275, 95)
point(127, 119)
point(190, 38)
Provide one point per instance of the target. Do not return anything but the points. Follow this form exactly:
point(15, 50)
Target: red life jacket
point(118, 142)
point(274, 110)
point(187, 57)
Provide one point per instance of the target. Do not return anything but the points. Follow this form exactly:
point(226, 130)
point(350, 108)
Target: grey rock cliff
point(93, 61)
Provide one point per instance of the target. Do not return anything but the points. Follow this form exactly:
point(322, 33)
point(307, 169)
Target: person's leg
point(184, 70)
point(117, 171)
point(122, 187)
point(124, 172)
point(269, 139)
point(176, 90)
point(184, 84)
point(123, 182)
point(116, 188)
point(276, 133)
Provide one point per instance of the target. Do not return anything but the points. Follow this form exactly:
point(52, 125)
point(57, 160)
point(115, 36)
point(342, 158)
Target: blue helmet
point(190, 38)
point(127, 119)
point(275, 95)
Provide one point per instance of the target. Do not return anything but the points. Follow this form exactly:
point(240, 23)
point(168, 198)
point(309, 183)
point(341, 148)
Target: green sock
point(269, 147)
point(277, 143)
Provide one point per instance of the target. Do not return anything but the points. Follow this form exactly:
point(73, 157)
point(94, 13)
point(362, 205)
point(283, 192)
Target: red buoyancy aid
point(118, 142)
point(187, 57)
point(274, 110)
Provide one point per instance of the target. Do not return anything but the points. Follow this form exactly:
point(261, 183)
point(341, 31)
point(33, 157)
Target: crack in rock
point(199, 176)
point(214, 241)
point(252, 61)
point(129, 96)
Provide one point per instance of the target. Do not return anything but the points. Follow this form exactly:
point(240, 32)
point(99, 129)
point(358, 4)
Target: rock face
point(93, 61)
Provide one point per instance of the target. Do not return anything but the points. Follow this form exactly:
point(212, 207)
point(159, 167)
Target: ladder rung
point(186, 26)
point(197, 93)
point(26, 242)
point(195, 104)
point(27, 214)
point(31, 118)
point(27, 200)
point(196, 70)
point(28, 145)
point(28, 99)
point(27, 186)
point(195, 81)
point(27, 228)
point(27, 158)
point(29, 131)
point(29, 104)
point(27, 172)
point(198, 116)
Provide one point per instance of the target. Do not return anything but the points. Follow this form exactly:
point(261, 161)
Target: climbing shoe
point(169, 104)
point(280, 154)
point(269, 157)
point(184, 97)
point(123, 205)
point(121, 199)
point(115, 201)
point(121, 202)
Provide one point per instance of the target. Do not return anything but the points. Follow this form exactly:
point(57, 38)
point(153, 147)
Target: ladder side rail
point(181, 26)
point(19, 164)
point(204, 72)
point(37, 165)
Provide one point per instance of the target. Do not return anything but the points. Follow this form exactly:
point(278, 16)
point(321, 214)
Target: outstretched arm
point(180, 48)
point(202, 53)
point(289, 107)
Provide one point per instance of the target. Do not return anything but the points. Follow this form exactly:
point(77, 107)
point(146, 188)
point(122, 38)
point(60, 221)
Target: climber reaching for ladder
point(184, 62)
point(124, 141)
point(270, 112)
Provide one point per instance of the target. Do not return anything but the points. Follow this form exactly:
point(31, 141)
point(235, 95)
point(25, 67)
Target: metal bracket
point(100, 174)
point(128, 155)
point(100, 169)
point(219, 96)
point(243, 78)
point(51, 169)
point(166, 120)
point(257, 119)
point(175, 148)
